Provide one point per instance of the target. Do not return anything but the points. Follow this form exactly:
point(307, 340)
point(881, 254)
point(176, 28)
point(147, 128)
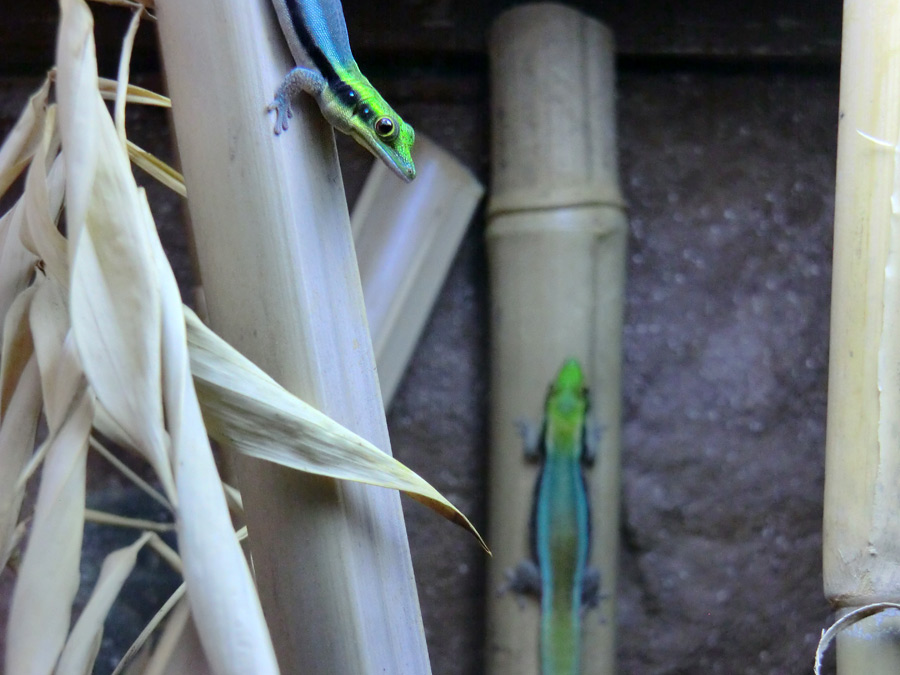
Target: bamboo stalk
point(861, 542)
point(556, 244)
point(406, 236)
point(281, 283)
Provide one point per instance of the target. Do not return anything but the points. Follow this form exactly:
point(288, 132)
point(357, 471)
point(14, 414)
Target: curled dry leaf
point(114, 298)
point(18, 253)
point(158, 169)
point(20, 406)
point(173, 601)
point(179, 649)
point(122, 75)
point(105, 518)
point(224, 603)
point(48, 577)
point(16, 262)
point(76, 93)
point(133, 93)
point(128, 325)
point(17, 348)
point(81, 648)
point(42, 201)
point(24, 138)
point(49, 321)
point(844, 623)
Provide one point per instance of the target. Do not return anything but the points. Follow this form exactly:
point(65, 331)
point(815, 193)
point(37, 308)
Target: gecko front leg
point(298, 80)
point(532, 438)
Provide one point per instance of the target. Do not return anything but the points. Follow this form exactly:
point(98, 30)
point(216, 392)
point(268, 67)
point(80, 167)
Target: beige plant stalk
point(861, 547)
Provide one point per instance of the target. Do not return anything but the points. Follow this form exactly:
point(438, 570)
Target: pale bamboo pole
point(406, 236)
point(556, 243)
point(281, 283)
point(861, 547)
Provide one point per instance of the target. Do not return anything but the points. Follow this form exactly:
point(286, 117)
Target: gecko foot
point(530, 434)
point(299, 79)
point(524, 580)
point(283, 113)
point(590, 589)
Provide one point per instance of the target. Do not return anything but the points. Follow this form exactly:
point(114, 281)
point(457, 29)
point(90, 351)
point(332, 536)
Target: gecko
point(316, 33)
point(560, 529)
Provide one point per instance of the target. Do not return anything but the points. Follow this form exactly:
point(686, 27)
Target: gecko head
point(377, 127)
point(570, 377)
point(568, 393)
point(354, 106)
point(368, 118)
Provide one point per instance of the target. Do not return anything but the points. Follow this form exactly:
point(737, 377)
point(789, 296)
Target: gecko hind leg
point(590, 589)
point(299, 79)
point(593, 435)
point(524, 580)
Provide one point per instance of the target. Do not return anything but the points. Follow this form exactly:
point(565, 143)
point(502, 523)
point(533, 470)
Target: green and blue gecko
point(317, 36)
point(561, 523)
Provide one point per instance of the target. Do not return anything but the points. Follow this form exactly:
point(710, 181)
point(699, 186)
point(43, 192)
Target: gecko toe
point(282, 113)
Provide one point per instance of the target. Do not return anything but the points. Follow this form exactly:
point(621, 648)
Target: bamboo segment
point(406, 236)
point(861, 542)
point(870, 646)
point(281, 282)
point(556, 244)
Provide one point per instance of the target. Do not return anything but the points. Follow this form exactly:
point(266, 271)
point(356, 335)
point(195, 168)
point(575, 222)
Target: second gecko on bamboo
point(560, 528)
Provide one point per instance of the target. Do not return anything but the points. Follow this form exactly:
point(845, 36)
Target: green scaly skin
point(317, 36)
point(560, 529)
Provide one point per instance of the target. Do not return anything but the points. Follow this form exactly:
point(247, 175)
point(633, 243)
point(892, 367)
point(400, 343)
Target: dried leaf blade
point(247, 410)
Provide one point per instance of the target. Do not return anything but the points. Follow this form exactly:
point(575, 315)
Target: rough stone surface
point(729, 176)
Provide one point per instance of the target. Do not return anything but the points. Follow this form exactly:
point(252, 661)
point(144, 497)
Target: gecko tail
point(560, 644)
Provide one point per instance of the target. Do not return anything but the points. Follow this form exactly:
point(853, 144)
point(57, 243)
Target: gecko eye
point(384, 127)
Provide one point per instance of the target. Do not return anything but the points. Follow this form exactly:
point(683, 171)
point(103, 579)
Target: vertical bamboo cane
point(861, 548)
point(281, 282)
point(556, 242)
